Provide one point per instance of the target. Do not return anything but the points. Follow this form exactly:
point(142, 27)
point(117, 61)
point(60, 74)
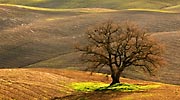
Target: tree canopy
point(119, 46)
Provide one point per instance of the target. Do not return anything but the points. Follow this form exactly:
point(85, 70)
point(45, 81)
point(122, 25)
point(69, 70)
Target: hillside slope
point(114, 4)
point(52, 83)
point(35, 38)
point(41, 35)
point(28, 36)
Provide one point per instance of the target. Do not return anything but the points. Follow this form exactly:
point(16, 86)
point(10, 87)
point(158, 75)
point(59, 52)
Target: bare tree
point(119, 46)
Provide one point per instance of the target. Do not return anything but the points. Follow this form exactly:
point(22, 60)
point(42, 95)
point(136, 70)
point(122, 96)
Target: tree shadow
point(96, 95)
point(105, 93)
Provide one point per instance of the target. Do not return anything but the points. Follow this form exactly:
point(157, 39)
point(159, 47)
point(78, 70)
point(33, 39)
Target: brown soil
point(28, 38)
point(34, 83)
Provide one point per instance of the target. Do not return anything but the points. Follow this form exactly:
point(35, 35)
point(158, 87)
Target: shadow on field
point(96, 95)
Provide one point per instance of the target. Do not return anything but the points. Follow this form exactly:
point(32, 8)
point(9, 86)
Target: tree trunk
point(115, 77)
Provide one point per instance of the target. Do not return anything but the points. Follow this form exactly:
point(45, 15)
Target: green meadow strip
point(98, 86)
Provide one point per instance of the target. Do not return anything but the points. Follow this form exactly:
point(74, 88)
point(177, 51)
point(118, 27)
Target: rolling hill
point(54, 84)
point(32, 36)
point(113, 4)
point(39, 35)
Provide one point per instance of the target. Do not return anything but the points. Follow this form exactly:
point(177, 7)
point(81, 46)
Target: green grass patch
point(98, 86)
point(88, 86)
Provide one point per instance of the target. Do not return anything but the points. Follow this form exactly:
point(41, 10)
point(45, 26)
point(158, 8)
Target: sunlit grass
point(23, 1)
point(173, 7)
point(110, 4)
point(35, 8)
point(96, 86)
point(88, 86)
point(153, 10)
point(94, 10)
point(89, 10)
point(82, 10)
point(52, 19)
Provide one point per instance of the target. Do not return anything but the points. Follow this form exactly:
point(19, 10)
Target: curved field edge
point(85, 10)
point(89, 10)
point(115, 4)
point(153, 10)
